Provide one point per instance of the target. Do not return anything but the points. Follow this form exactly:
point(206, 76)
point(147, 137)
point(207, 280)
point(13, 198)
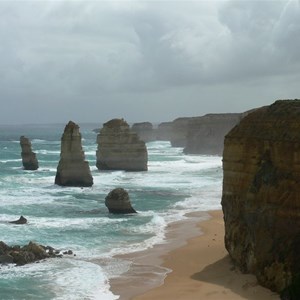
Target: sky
point(91, 61)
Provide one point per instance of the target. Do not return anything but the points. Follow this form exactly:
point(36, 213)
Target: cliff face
point(179, 132)
point(120, 149)
point(144, 130)
point(164, 131)
point(72, 169)
point(205, 135)
point(29, 159)
point(261, 193)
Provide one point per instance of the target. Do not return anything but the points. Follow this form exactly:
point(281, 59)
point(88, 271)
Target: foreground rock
point(118, 202)
point(144, 130)
point(261, 194)
point(21, 221)
point(120, 149)
point(27, 254)
point(72, 169)
point(29, 159)
point(205, 135)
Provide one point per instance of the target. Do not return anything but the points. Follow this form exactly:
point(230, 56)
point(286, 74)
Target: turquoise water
point(77, 219)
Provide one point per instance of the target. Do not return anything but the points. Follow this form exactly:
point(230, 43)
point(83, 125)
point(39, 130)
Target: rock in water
point(261, 193)
point(120, 149)
point(144, 130)
point(118, 202)
point(72, 169)
point(29, 159)
point(21, 220)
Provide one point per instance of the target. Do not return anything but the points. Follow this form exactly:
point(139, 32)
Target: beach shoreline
point(192, 264)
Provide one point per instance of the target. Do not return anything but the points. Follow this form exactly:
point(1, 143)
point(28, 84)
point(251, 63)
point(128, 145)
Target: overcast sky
point(90, 61)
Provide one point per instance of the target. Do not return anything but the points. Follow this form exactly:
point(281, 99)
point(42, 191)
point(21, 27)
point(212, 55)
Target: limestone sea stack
point(120, 149)
point(118, 202)
point(144, 130)
point(164, 131)
point(261, 194)
point(72, 169)
point(29, 159)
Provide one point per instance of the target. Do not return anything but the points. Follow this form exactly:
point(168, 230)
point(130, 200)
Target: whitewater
point(77, 218)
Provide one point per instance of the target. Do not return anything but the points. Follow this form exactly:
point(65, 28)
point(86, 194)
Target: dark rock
point(72, 169)
point(6, 259)
point(261, 194)
point(29, 159)
point(118, 202)
point(21, 220)
point(120, 149)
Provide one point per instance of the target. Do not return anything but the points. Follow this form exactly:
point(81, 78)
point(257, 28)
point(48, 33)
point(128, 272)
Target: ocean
point(77, 218)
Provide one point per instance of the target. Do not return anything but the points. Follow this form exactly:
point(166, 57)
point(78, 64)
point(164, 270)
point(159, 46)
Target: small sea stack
point(120, 149)
point(20, 221)
point(72, 169)
point(261, 194)
point(29, 159)
point(118, 202)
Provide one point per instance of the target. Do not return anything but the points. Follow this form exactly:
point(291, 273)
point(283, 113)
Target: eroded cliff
point(261, 193)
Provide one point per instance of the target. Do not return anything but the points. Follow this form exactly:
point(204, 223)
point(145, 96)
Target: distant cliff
point(261, 194)
point(179, 131)
point(119, 148)
point(205, 135)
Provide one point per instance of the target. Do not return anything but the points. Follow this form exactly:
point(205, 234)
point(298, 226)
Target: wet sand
point(193, 264)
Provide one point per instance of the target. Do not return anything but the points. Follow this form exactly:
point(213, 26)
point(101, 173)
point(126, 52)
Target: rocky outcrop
point(144, 130)
point(205, 135)
point(164, 131)
point(20, 221)
point(120, 149)
point(72, 169)
point(261, 194)
point(118, 202)
point(179, 132)
point(29, 159)
point(22, 255)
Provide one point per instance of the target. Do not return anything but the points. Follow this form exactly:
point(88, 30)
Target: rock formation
point(179, 132)
point(205, 135)
point(118, 202)
point(164, 131)
point(72, 169)
point(29, 159)
point(21, 221)
point(144, 130)
point(120, 149)
point(26, 254)
point(261, 194)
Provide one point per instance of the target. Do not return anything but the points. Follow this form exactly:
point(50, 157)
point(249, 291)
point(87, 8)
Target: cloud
point(101, 56)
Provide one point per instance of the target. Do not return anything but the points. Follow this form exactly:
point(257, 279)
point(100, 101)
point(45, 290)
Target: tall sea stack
point(261, 194)
point(29, 159)
point(72, 169)
point(120, 149)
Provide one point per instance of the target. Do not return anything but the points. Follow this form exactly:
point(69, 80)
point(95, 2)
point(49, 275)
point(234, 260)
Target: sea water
point(77, 218)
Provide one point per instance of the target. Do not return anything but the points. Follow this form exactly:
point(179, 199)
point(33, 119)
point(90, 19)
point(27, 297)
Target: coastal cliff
point(144, 130)
point(261, 194)
point(205, 135)
point(72, 169)
point(120, 149)
point(179, 131)
point(29, 159)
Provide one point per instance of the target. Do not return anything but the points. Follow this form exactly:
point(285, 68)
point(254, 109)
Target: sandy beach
point(194, 265)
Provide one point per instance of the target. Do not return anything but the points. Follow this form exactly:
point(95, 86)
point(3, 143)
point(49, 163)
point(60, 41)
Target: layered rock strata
point(72, 169)
point(144, 130)
point(29, 159)
point(118, 202)
point(120, 149)
point(205, 135)
point(261, 193)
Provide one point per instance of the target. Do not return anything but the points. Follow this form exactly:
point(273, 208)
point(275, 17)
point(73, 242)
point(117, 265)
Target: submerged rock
point(21, 220)
point(118, 202)
point(29, 159)
point(72, 169)
point(261, 194)
point(120, 149)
